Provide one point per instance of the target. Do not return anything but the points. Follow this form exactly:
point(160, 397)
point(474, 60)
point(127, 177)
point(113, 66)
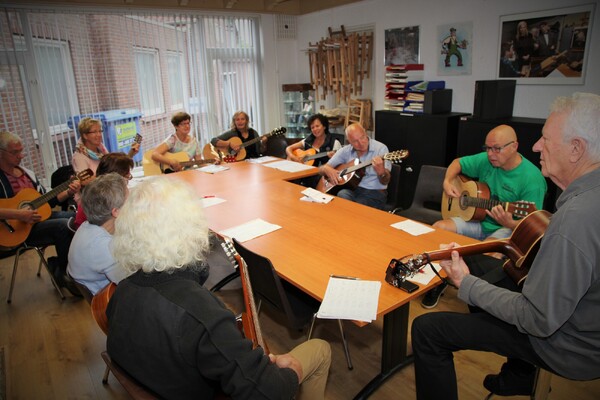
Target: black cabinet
point(471, 137)
point(430, 138)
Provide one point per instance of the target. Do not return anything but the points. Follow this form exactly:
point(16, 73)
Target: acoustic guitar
point(474, 199)
point(14, 232)
point(99, 304)
point(520, 248)
point(348, 176)
point(152, 167)
point(309, 156)
point(250, 324)
point(229, 155)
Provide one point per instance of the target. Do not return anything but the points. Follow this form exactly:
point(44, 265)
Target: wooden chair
point(17, 253)
point(131, 386)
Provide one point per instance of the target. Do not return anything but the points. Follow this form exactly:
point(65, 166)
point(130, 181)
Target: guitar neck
point(314, 156)
point(487, 204)
point(46, 197)
point(192, 163)
point(355, 168)
point(255, 331)
point(503, 246)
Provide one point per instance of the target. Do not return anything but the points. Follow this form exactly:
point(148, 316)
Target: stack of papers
point(352, 299)
point(250, 230)
point(315, 196)
point(261, 160)
point(211, 201)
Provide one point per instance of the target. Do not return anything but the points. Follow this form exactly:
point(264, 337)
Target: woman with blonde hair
point(240, 127)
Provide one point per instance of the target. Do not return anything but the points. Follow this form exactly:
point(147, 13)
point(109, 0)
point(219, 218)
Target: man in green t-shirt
point(510, 178)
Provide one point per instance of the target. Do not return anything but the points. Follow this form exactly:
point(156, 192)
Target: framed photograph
point(546, 47)
point(402, 46)
point(455, 43)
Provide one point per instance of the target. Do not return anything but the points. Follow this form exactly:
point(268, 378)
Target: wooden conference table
point(316, 240)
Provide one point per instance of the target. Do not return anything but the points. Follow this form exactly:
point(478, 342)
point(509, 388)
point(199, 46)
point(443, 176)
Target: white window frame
point(180, 77)
point(158, 106)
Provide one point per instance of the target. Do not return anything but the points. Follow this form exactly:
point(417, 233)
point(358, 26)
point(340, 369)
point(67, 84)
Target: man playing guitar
point(54, 230)
point(372, 190)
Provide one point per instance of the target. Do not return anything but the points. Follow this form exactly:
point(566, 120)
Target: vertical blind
point(58, 65)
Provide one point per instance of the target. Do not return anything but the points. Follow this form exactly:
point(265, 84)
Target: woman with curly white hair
point(171, 333)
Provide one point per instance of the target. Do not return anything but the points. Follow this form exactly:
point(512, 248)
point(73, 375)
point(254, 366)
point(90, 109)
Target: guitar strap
point(444, 280)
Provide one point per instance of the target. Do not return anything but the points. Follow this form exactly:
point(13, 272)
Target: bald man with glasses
point(510, 178)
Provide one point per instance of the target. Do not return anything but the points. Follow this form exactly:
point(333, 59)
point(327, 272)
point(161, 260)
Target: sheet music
point(213, 168)
point(412, 227)
point(288, 166)
point(315, 196)
point(261, 160)
point(350, 299)
point(250, 230)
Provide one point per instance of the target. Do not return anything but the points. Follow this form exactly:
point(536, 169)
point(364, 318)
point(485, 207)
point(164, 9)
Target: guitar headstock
point(399, 270)
point(138, 138)
point(232, 255)
point(276, 132)
point(521, 208)
point(84, 175)
point(396, 156)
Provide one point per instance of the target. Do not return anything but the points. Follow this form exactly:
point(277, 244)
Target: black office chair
point(276, 147)
point(426, 204)
point(61, 175)
point(268, 288)
point(393, 189)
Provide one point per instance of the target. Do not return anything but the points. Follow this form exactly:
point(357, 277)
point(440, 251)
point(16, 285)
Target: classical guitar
point(14, 232)
point(250, 324)
point(229, 155)
point(137, 139)
point(475, 199)
point(520, 249)
point(309, 156)
point(348, 176)
point(152, 167)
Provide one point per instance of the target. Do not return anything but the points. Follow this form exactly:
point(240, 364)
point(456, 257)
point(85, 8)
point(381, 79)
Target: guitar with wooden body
point(152, 167)
point(14, 232)
point(309, 156)
point(99, 304)
point(520, 249)
point(250, 324)
point(229, 155)
point(348, 177)
point(475, 199)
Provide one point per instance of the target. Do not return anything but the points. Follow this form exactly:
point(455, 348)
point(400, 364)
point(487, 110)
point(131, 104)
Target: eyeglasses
point(496, 149)
point(128, 176)
point(185, 123)
point(91, 132)
point(14, 152)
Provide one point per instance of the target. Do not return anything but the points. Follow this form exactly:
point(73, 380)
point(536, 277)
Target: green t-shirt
point(525, 182)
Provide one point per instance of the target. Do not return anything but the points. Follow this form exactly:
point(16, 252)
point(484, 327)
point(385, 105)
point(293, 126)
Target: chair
point(541, 385)
point(61, 175)
point(85, 292)
point(17, 253)
point(297, 306)
point(276, 147)
point(393, 189)
point(132, 387)
point(426, 204)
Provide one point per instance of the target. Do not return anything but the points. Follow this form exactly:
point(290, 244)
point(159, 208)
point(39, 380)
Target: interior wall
point(287, 63)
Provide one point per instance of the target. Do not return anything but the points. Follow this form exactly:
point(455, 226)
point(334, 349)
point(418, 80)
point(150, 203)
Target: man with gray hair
point(553, 322)
point(90, 260)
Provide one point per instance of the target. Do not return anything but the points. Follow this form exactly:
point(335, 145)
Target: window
point(149, 82)
point(175, 66)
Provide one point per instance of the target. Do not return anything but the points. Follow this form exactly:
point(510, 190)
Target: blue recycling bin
point(120, 128)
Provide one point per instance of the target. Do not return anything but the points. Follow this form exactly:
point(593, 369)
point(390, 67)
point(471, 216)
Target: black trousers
point(436, 336)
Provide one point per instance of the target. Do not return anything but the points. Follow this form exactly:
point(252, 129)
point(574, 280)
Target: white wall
point(287, 63)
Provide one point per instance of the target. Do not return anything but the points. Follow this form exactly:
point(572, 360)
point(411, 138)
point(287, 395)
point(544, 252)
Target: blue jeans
point(53, 231)
point(369, 197)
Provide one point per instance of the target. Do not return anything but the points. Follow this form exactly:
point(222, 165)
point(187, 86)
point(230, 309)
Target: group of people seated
point(175, 337)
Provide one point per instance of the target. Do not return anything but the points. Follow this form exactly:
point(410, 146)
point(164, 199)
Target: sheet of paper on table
point(261, 160)
point(213, 168)
point(412, 227)
point(288, 166)
point(352, 299)
point(250, 230)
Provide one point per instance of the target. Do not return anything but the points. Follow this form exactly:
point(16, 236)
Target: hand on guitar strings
point(28, 216)
point(455, 268)
point(502, 216)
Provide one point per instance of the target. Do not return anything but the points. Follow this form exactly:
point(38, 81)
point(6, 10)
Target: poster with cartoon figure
point(455, 48)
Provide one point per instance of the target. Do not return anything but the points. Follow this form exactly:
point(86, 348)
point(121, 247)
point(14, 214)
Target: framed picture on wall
point(402, 46)
point(546, 47)
point(455, 42)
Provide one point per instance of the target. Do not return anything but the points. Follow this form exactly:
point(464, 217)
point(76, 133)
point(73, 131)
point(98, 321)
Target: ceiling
point(288, 7)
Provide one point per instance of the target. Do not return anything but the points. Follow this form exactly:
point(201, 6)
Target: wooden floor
point(52, 348)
